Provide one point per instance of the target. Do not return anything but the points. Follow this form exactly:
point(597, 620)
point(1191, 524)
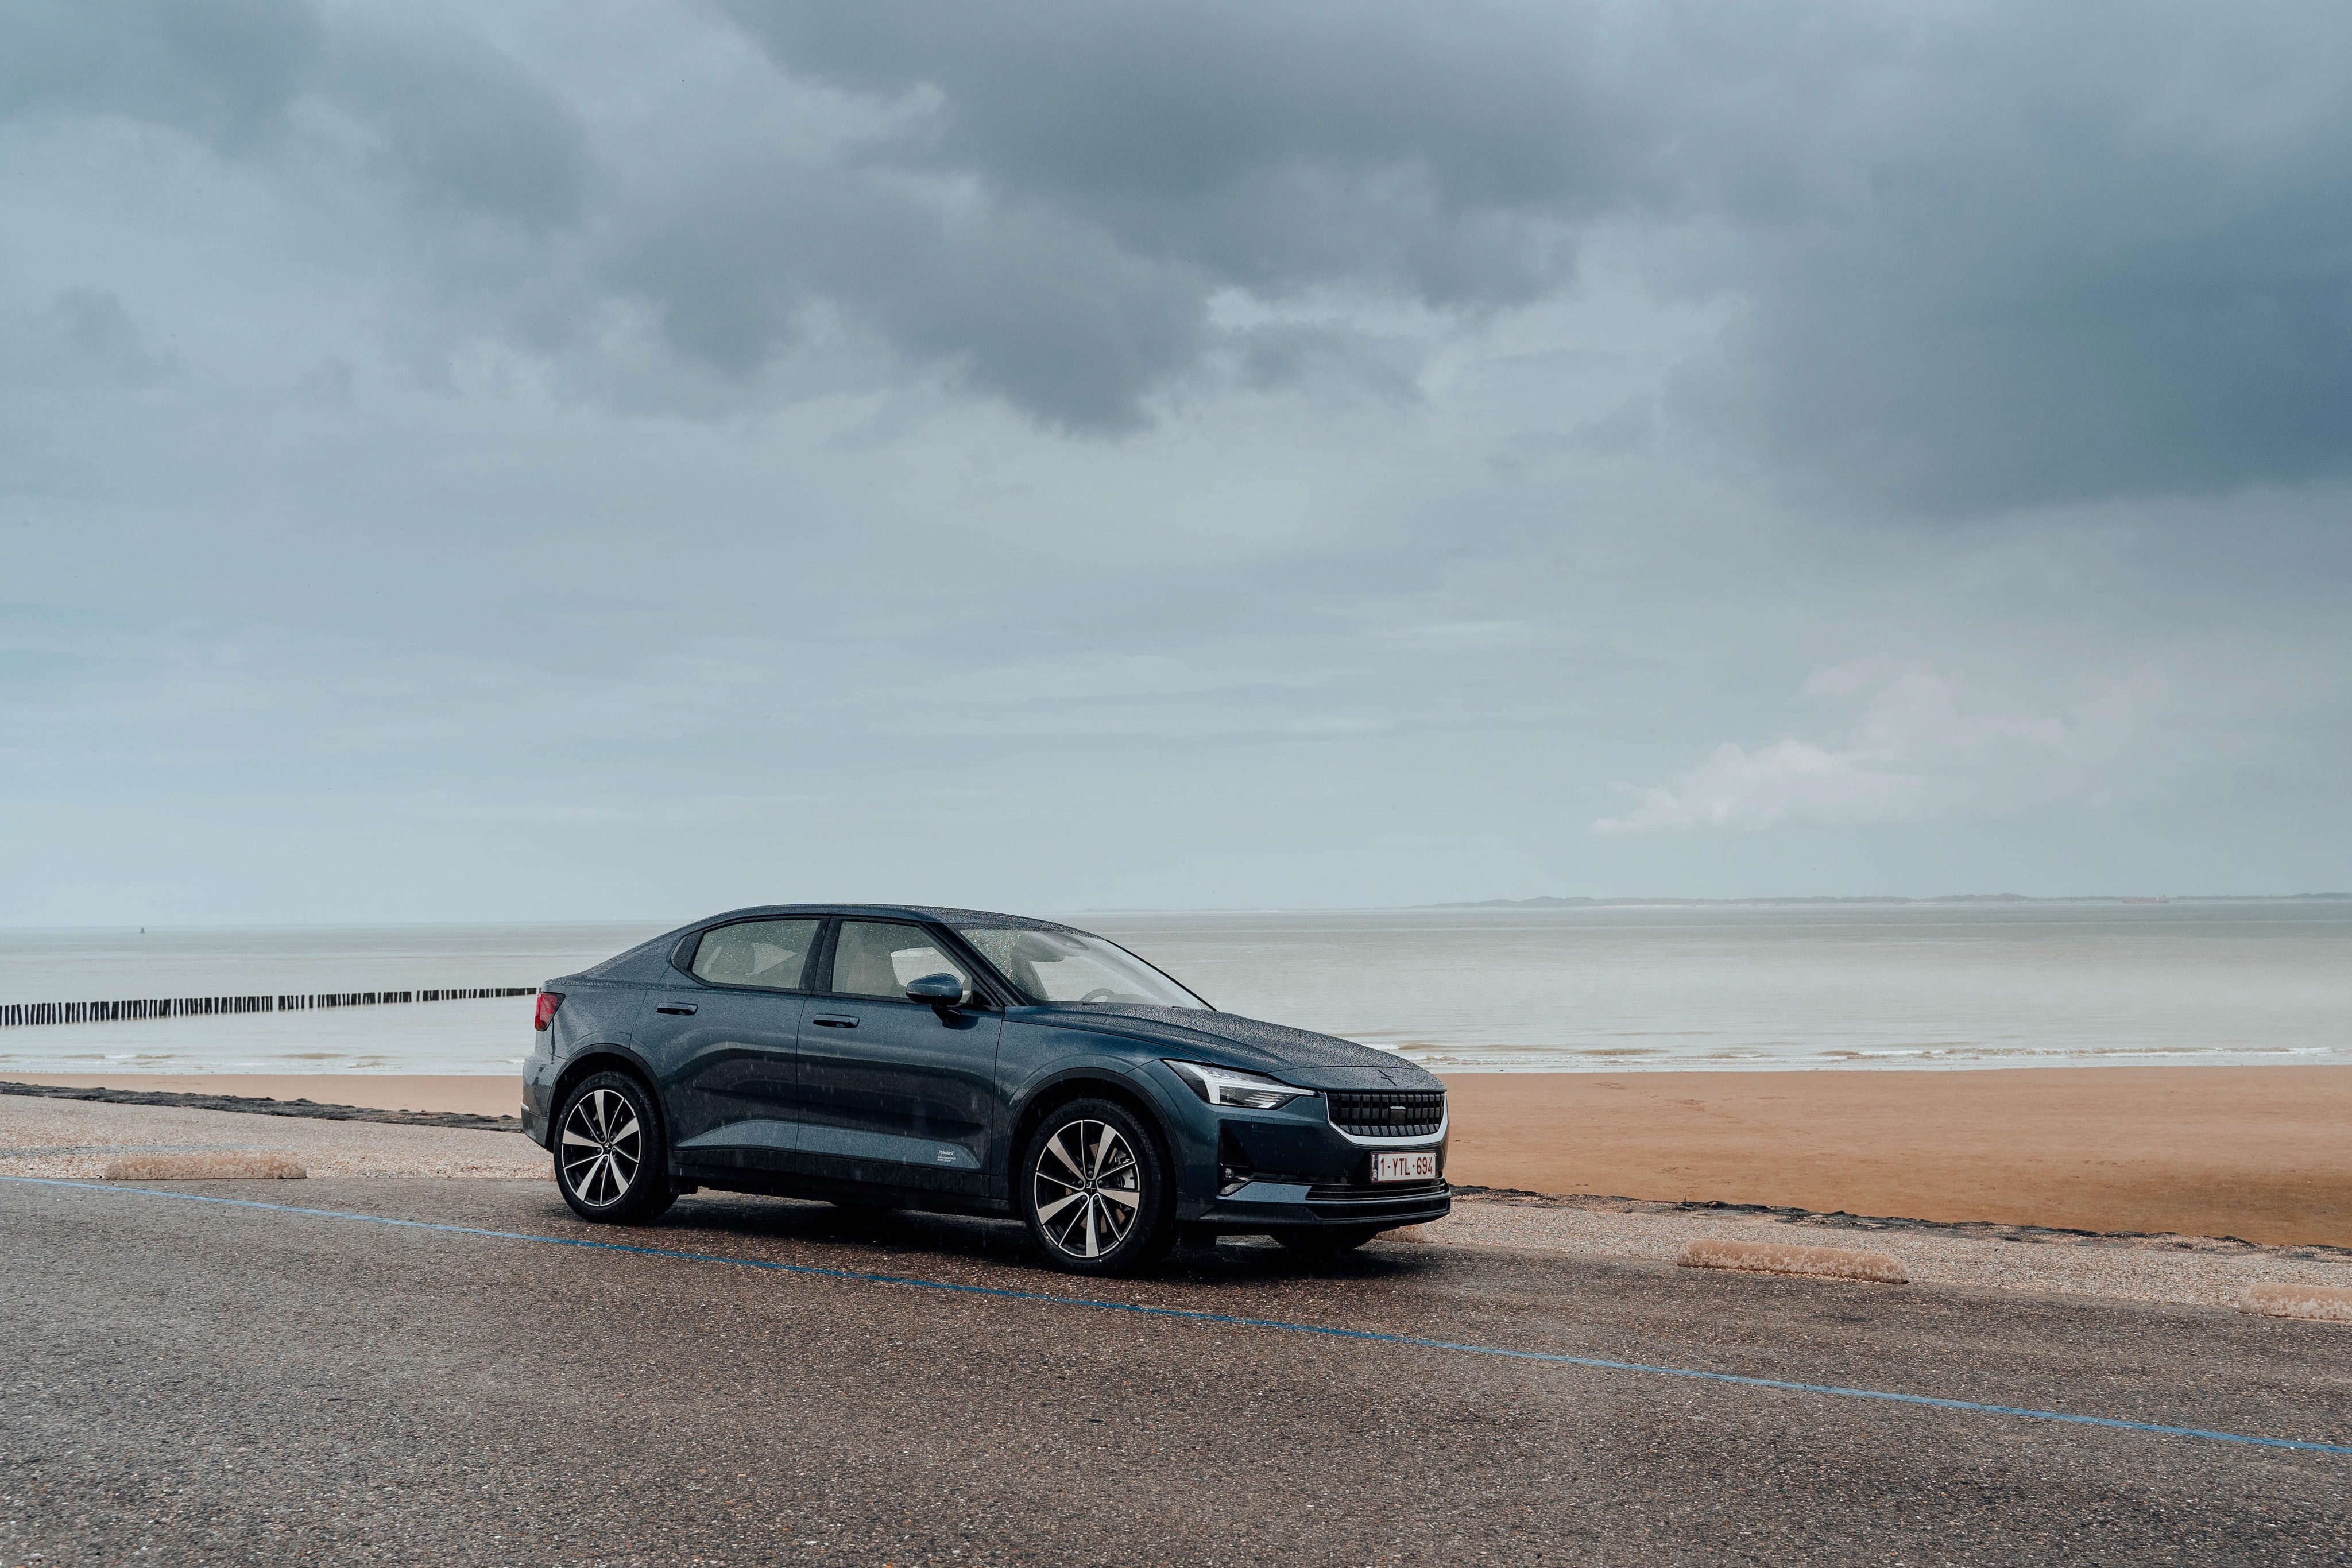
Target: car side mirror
point(940, 990)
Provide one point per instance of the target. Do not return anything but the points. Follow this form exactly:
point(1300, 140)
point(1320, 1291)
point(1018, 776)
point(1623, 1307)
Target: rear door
point(892, 1090)
point(731, 1036)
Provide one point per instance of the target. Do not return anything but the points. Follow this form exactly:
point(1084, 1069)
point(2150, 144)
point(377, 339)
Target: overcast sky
point(615, 459)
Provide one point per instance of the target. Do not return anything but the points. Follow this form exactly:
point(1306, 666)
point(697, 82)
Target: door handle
point(836, 1020)
point(680, 1008)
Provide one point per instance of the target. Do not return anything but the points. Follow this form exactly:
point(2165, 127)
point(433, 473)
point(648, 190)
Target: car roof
point(982, 918)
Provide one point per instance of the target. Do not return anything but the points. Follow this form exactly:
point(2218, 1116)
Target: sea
point(1624, 987)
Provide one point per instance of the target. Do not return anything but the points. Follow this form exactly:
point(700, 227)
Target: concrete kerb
point(2316, 1303)
point(203, 1167)
point(1779, 1258)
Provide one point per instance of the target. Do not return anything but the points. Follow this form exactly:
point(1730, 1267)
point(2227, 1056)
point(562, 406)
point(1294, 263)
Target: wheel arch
point(1086, 1083)
point(605, 1058)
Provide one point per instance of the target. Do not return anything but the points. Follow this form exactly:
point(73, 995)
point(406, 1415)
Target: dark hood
point(1298, 1056)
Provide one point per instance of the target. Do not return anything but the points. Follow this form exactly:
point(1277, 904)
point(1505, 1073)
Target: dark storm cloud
point(1270, 146)
point(429, 428)
point(1096, 175)
point(1050, 315)
point(463, 124)
point(1979, 258)
point(223, 70)
point(457, 123)
point(1964, 260)
point(2043, 255)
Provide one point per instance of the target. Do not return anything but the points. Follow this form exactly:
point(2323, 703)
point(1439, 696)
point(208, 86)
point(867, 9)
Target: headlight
point(1231, 1086)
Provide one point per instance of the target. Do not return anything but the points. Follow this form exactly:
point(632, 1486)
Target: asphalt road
point(188, 1382)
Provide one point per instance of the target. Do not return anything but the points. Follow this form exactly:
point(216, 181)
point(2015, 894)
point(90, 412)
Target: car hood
point(1298, 1056)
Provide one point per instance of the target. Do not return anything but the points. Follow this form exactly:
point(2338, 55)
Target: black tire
point(1095, 1190)
point(1326, 1241)
point(611, 1160)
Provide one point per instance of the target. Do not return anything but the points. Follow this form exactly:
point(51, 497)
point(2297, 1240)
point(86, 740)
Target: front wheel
point(1094, 1191)
point(611, 1160)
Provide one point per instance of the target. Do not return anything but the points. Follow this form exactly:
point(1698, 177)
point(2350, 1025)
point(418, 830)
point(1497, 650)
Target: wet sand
point(2260, 1152)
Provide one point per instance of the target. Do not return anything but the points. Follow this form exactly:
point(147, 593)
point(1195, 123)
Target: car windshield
point(1072, 967)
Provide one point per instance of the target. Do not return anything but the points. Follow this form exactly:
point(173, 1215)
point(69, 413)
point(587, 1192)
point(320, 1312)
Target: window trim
point(983, 981)
point(690, 949)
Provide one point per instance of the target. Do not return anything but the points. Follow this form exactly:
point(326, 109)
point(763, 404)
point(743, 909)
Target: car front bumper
point(1249, 1172)
point(1258, 1207)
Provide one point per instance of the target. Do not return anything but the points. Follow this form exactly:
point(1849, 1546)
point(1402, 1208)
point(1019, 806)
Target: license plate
point(1420, 1166)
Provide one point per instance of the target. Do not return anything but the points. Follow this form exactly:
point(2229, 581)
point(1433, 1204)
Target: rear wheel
point(611, 1160)
point(1094, 1190)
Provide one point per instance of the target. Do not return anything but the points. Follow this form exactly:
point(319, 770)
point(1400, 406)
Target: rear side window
point(772, 954)
point(874, 959)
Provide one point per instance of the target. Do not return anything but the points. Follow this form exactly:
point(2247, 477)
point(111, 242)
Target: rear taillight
point(547, 1002)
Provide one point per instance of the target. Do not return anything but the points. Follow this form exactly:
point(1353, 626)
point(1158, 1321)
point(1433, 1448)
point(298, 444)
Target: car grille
point(1341, 1192)
point(1388, 1112)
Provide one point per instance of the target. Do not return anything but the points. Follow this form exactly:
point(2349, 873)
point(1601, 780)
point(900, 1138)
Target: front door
point(891, 1091)
point(730, 1039)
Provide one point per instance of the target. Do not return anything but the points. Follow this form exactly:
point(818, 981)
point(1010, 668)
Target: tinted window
point(771, 953)
point(874, 959)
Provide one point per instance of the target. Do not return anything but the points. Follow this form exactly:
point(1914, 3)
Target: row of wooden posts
point(13, 1013)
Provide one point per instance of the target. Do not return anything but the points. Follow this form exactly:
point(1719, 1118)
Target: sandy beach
point(2261, 1152)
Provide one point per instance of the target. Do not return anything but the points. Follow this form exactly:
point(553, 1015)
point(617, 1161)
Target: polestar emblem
point(1386, 1076)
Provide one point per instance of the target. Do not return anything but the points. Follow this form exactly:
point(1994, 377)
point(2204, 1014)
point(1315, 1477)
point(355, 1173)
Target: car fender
point(1128, 1074)
point(620, 1046)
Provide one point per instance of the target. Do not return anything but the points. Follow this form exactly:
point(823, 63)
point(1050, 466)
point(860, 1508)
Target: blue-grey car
point(892, 1056)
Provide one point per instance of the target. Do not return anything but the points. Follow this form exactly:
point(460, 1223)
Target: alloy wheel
point(1087, 1190)
point(603, 1145)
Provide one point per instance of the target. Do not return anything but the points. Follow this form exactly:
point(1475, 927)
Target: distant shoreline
point(1964, 898)
point(1541, 902)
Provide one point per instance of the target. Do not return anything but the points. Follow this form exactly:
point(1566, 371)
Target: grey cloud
point(330, 386)
point(2032, 256)
point(1055, 318)
point(2158, 378)
point(1991, 258)
point(1628, 427)
point(483, 492)
point(458, 122)
point(103, 335)
point(1287, 354)
point(82, 343)
point(1271, 146)
point(1970, 260)
point(1088, 178)
point(463, 123)
point(223, 70)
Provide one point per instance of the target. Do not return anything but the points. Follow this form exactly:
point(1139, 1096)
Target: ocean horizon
point(1553, 985)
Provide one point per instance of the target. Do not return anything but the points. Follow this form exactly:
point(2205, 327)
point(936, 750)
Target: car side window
point(771, 954)
point(874, 959)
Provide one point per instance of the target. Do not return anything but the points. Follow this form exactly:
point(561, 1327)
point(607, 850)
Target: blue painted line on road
point(1969, 1406)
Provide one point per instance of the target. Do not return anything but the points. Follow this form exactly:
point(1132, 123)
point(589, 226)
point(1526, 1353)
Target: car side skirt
point(820, 1189)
